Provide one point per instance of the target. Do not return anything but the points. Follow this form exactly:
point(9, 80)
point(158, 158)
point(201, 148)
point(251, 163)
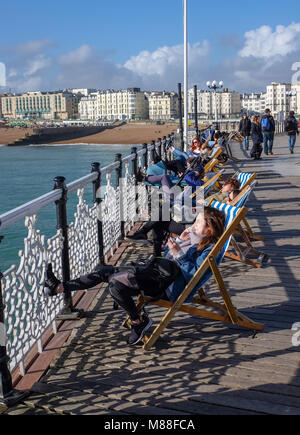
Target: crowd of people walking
point(261, 130)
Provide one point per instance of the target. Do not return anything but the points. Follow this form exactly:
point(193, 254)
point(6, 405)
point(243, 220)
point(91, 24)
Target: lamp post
point(214, 86)
point(290, 94)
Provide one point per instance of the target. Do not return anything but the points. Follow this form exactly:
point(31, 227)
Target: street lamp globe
point(221, 83)
point(214, 83)
point(208, 83)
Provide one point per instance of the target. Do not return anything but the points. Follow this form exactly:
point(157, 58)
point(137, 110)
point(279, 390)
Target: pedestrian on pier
point(268, 129)
point(291, 128)
point(257, 138)
point(244, 129)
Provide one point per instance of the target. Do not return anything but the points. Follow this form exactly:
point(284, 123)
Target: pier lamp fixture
point(214, 86)
point(290, 94)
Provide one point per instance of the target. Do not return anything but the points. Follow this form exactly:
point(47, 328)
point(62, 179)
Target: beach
point(132, 133)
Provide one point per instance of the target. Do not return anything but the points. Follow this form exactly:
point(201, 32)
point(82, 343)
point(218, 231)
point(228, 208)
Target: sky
point(51, 45)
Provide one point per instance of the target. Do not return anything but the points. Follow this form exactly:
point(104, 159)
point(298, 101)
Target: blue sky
point(111, 43)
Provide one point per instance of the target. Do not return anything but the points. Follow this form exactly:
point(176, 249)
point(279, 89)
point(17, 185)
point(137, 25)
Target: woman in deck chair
point(124, 284)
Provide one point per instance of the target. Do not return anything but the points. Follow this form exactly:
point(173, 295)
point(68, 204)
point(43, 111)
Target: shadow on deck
point(197, 366)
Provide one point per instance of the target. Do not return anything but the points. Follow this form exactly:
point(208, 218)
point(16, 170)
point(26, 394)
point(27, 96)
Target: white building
point(228, 104)
point(163, 105)
point(83, 91)
point(253, 103)
point(295, 99)
point(88, 107)
point(129, 104)
point(277, 99)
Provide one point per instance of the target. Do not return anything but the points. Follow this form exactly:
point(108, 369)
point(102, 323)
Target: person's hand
point(185, 235)
point(180, 174)
point(173, 246)
point(172, 149)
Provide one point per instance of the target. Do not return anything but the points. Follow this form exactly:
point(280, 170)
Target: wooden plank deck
point(198, 366)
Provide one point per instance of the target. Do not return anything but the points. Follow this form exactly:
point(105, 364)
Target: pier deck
point(197, 366)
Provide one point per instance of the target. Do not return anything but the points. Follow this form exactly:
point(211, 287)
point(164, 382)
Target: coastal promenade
point(197, 366)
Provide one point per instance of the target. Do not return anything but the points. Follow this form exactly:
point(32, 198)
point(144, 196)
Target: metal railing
point(76, 248)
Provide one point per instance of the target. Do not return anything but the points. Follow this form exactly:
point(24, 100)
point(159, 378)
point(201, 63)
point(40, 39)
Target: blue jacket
point(192, 179)
point(189, 263)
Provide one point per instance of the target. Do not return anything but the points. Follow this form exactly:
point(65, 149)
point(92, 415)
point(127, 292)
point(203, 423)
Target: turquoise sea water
point(27, 172)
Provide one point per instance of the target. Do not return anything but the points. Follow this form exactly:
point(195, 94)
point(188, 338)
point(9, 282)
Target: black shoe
point(292, 151)
point(140, 176)
point(138, 237)
point(51, 282)
point(138, 331)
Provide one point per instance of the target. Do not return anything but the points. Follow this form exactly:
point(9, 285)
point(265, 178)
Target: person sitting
point(229, 186)
point(232, 195)
point(124, 284)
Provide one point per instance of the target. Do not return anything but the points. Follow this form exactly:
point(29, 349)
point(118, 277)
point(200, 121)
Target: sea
point(27, 172)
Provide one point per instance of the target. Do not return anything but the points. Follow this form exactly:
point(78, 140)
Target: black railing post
point(159, 147)
point(163, 147)
point(196, 110)
point(134, 162)
point(152, 152)
point(68, 312)
point(8, 396)
point(180, 117)
point(119, 170)
point(145, 156)
point(98, 200)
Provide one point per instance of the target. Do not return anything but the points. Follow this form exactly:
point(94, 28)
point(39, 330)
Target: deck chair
point(245, 178)
point(209, 184)
point(242, 253)
point(224, 312)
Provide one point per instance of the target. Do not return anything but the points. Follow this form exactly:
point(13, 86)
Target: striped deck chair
point(224, 312)
point(245, 178)
point(242, 253)
point(208, 185)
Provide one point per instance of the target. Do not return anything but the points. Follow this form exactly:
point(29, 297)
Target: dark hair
point(234, 183)
point(215, 221)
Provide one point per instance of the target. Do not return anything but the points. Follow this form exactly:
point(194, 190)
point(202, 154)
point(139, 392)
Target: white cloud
point(165, 59)
point(263, 43)
point(80, 55)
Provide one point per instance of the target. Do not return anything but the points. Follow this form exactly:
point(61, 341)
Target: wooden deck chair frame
point(226, 311)
point(248, 229)
point(208, 184)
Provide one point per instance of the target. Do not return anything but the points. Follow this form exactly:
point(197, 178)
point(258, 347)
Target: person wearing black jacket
point(268, 129)
point(244, 129)
point(257, 138)
point(291, 128)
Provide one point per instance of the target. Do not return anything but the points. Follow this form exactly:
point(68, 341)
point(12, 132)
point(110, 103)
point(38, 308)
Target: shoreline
point(127, 134)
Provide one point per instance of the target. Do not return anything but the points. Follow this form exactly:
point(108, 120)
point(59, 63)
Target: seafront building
point(228, 103)
point(163, 105)
point(127, 104)
point(40, 105)
point(88, 107)
point(253, 103)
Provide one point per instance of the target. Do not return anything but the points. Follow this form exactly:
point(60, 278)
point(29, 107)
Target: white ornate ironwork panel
point(28, 312)
point(83, 238)
point(110, 215)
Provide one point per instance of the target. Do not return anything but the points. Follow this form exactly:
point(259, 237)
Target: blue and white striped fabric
point(230, 213)
point(245, 197)
point(243, 177)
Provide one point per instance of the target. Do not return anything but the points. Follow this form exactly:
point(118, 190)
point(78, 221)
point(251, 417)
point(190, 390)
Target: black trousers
point(122, 286)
